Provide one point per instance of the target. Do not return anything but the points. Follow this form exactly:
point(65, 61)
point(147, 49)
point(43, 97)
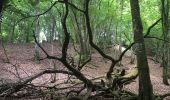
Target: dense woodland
point(84, 49)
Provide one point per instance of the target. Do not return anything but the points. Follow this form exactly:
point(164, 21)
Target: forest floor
point(22, 65)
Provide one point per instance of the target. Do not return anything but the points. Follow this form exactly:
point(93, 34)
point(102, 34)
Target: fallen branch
point(10, 88)
point(161, 97)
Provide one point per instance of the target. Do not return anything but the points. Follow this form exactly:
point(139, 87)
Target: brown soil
point(21, 57)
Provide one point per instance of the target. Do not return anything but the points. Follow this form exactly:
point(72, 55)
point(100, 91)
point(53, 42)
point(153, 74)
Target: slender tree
point(145, 86)
point(81, 35)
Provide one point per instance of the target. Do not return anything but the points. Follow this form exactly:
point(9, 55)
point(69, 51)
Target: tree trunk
point(27, 39)
point(37, 53)
point(164, 14)
point(145, 86)
point(1, 5)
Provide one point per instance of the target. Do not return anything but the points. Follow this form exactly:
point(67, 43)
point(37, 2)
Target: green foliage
point(111, 17)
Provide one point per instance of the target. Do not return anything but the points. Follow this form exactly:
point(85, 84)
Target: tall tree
point(165, 25)
point(145, 86)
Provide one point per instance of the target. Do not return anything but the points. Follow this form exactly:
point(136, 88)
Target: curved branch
point(76, 72)
point(91, 35)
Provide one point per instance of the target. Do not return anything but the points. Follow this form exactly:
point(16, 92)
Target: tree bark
point(145, 86)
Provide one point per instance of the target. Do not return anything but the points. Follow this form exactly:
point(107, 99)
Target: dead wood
point(7, 89)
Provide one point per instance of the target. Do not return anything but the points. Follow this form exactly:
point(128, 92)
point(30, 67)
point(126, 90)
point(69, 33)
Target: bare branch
point(153, 25)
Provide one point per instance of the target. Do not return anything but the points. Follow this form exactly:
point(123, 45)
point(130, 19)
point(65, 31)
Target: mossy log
point(131, 75)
